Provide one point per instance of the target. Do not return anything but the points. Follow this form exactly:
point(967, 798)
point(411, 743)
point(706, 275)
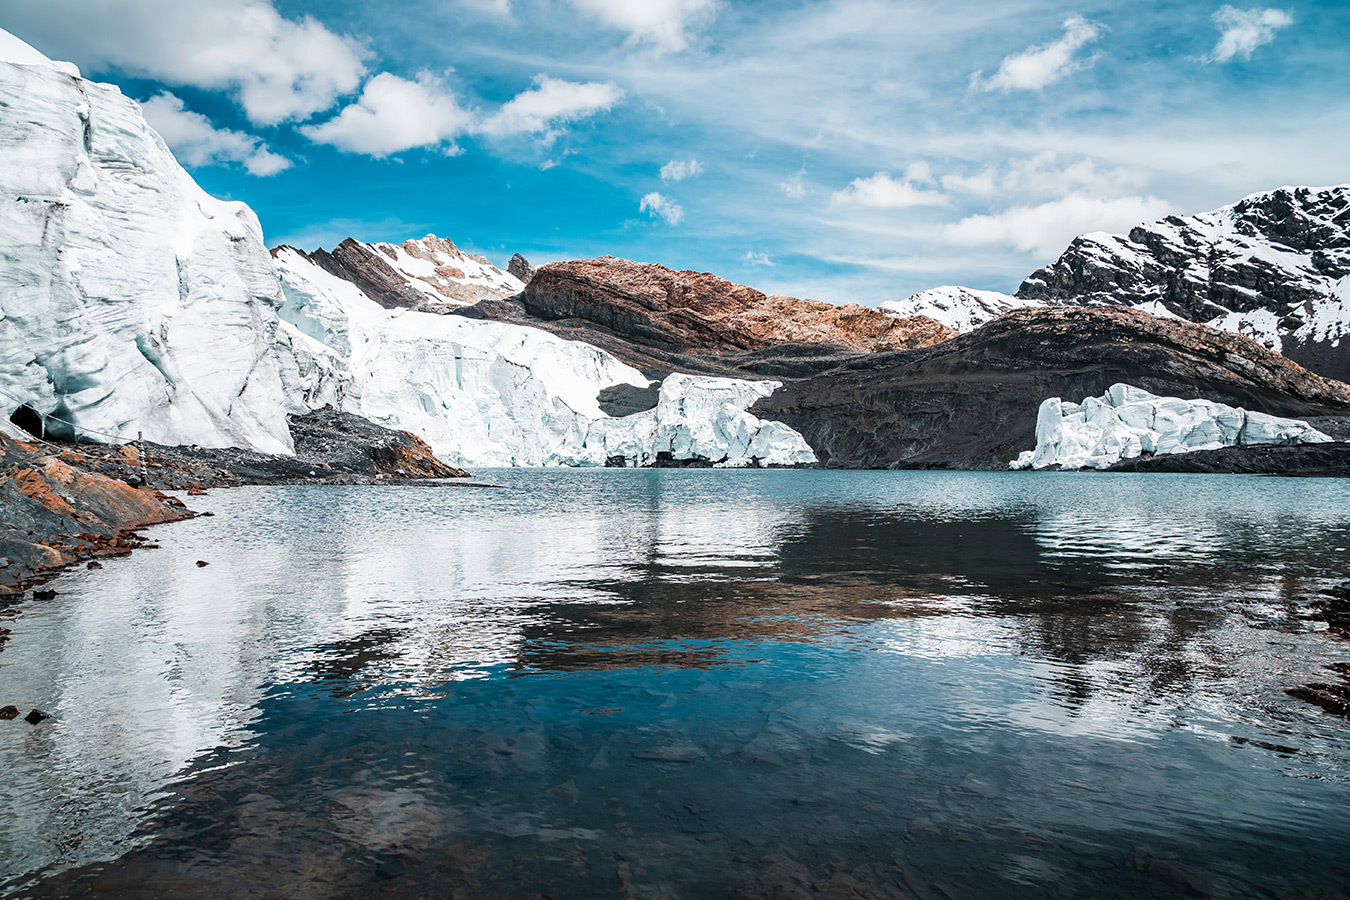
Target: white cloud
point(279, 69)
point(981, 184)
point(793, 186)
point(395, 114)
point(1038, 66)
point(658, 205)
point(881, 191)
point(679, 170)
point(1242, 31)
point(1048, 228)
point(661, 23)
point(196, 142)
point(551, 101)
point(757, 259)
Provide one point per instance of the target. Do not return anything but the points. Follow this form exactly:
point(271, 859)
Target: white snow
point(130, 300)
point(960, 308)
point(488, 393)
point(1128, 421)
point(446, 275)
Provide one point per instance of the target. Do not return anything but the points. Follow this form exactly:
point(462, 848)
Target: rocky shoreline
point(62, 504)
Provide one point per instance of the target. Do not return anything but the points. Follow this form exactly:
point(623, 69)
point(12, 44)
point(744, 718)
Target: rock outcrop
point(698, 312)
point(520, 267)
point(1127, 422)
point(1274, 266)
point(430, 274)
point(966, 403)
point(54, 512)
point(132, 300)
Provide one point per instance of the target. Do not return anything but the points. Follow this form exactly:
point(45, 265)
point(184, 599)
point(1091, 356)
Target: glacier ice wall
point(1128, 421)
point(486, 393)
point(130, 300)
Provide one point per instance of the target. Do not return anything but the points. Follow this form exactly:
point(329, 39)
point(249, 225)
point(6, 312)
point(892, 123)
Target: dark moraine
point(697, 684)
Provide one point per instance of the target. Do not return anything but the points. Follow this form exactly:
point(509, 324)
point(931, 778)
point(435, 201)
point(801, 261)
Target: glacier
point(130, 300)
point(486, 393)
point(133, 302)
point(1127, 422)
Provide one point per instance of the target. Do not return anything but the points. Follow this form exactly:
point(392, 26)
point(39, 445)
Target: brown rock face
point(53, 512)
point(971, 402)
point(696, 311)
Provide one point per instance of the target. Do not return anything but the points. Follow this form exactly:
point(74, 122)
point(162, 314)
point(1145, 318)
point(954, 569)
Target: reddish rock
point(697, 311)
point(9, 712)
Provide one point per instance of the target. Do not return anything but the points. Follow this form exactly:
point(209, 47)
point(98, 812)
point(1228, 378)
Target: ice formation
point(1129, 421)
point(486, 393)
point(130, 300)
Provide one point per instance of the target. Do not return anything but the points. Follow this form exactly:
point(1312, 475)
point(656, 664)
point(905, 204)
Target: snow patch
point(959, 308)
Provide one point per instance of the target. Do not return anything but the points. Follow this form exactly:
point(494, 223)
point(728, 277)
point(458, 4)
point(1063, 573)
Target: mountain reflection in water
point(694, 684)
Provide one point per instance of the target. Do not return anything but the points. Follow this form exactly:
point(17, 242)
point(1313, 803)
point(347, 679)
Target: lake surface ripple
point(676, 684)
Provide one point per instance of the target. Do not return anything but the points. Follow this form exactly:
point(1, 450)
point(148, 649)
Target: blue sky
point(849, 150)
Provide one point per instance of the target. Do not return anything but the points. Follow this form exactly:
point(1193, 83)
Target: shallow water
point(694, 684)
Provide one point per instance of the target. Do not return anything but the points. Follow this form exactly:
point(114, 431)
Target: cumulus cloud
point(197, 142)
point(757, 259)
point(1242, 31)
point(881, 191)
point(793, 186)
point(395, 114)
point(679, 170)
point(279, 69)
point(1048, 228)
point(551, 101)
point(660, 206)
point(663, 24)
point(1039, 66)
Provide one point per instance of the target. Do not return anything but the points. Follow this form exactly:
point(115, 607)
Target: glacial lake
point(693, 684)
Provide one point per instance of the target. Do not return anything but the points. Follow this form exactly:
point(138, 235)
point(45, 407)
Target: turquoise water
point(660, 684)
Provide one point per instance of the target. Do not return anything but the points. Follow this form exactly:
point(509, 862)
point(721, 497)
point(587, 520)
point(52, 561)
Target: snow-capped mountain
point(959, 308)
point(430, 274)
point(1274, 266)
point(130, 300)
point(495, 394)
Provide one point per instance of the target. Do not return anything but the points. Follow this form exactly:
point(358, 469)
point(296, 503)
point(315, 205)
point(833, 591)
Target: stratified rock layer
point(966, 403)
point(696, 311)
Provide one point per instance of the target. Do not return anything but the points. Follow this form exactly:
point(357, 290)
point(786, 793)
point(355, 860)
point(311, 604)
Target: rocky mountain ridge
point(971, 402)
point(1274, 266)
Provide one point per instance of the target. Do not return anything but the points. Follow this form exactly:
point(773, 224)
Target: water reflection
point(368, 677)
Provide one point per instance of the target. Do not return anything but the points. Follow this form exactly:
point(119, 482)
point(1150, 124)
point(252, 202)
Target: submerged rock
point(1127, 422)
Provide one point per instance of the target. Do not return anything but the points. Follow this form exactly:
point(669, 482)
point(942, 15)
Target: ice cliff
point(488, 393)
point(1127, 422)
point(130, 300)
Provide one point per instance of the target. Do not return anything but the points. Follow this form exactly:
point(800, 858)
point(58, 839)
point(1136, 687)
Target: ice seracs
point(1127, 422)
point(959, 308)
point(130, 300)
point(486, 393)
